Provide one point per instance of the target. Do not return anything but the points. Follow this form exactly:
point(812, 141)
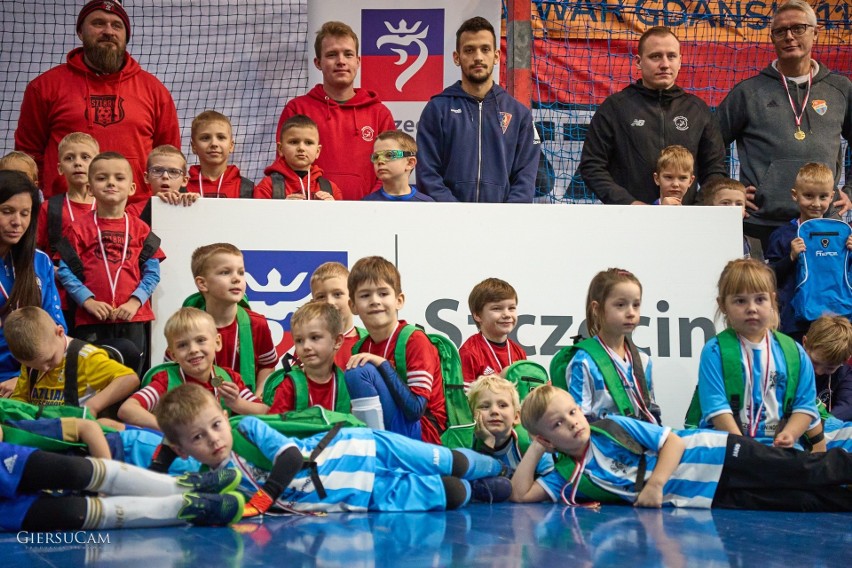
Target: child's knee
point(361, 381)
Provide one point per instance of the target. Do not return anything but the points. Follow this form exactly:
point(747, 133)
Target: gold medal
point(217, 381)
point(799, 134)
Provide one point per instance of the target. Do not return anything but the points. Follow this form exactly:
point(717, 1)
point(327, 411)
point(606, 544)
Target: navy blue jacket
point(475, 151)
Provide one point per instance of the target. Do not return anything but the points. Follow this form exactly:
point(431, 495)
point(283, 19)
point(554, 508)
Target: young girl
point(753, 399)
point(26, 275)
point(607, 374)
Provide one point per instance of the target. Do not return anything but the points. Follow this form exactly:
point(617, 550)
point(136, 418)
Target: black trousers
point(137, 332)
point(761, 477)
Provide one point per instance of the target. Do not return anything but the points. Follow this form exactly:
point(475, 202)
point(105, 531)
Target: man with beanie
point(100, 90)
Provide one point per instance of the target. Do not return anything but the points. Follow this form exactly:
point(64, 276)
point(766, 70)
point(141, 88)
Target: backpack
point(15, 410)
point(566, 465)
point(279, 192)
point(612, 381)
point(526, 375)
point(176, 377)
point(732, 372)
point(823, 271)
point(300, 389)
point(460, 424)
point(247, 370)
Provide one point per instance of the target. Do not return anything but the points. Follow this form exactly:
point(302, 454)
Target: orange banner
point(728, 21)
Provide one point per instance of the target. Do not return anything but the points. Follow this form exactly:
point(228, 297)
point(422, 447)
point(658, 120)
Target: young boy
point(293, 174)
point(828, 343)
point(59, 213)
point(20, 162)
point(674, 174)
point(651, 466)
point(494, 306)
point(213, 141)
point(411, 403)
point(44, 349)
point(496, 408)
point(166, 174)
point(727, 192)
point(132, 497)
point(317, 334)
point(117, 264)
point(814, 193)
point(193, 342)
point(354, 469)
point(328, 284)
point(394, 158)
point(247, 347)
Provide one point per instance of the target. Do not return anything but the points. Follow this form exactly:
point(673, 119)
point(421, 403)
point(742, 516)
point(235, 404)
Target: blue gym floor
point(542, 536)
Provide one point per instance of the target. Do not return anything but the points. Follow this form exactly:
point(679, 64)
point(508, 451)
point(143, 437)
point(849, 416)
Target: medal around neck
point(217, 381)
point(799, 134)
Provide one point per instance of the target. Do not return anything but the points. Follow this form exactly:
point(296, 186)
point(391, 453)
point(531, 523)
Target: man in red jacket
point(100, 90)
point(348, 119)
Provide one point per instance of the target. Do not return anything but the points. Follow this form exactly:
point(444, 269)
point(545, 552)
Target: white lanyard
point(218, 189)
point(306, 193)
point(212, 375)
point(574, 482)
point(494, 353)
point(71, 210)
point(633, 391)
point(333, 393)
point(754, 416)
point(387, 345)
point(113, 282)
point(799, 135)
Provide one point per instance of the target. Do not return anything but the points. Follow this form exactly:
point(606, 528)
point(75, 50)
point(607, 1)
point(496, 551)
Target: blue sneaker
point(217, 481)
point(490, 489)
point(209, 509)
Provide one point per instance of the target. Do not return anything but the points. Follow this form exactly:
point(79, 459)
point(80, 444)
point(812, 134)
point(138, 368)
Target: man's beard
point(103, 56)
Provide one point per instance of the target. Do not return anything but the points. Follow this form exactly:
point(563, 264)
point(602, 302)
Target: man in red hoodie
point(348, 119)
point(100, 90)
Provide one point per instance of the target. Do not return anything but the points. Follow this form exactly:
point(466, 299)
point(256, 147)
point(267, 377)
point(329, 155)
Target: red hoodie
point(292, 182)
point(129, 112)
point(230, 183)
point(347, 132)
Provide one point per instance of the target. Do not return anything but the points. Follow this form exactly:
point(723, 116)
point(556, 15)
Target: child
point(650, 465)
point(328, 284)
point(494, 306)
point(608, 375)
point(117, 260)
point(814, 193)
point(354, 469)
point(412, 403)
point(293, 175)
point(828, 344)
point(317, 335)
point(213, 141)
point(247, 347)
point(496, 408)
point(43, 349)
point(59, 213)
point(166, 174)
point(135, 498)
point(394, 158)
point(674, 174)
point(193, 342)
point(20, 162)
point(774, 407)
point(727, 192)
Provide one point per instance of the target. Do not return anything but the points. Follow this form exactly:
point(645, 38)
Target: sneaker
point(217, 481)
point(207, 509)
point(491, 489)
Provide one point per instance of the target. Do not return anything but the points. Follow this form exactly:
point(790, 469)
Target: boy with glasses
point(394, 158)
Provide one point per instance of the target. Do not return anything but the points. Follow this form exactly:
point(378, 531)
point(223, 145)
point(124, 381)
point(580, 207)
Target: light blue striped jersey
point(714, 401)
point(838, 434)
point(586, 383)
point(614, 468)
point(346, 467)
point(510, 456)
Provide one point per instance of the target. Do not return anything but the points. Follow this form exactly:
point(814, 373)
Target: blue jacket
point(476, 151)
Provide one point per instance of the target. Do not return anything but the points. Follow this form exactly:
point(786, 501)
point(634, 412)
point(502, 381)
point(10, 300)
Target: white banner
point(406, 49)
point(548, 253)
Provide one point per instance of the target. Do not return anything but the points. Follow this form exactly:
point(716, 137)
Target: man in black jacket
point(631, 127)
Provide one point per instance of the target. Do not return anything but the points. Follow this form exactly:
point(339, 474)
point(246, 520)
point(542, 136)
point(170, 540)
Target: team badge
point(681, 123)
point(367, 133)
point(824, 243)
point(505, 119)
point(107, 109)
point(819, 106)
point(108, 7)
